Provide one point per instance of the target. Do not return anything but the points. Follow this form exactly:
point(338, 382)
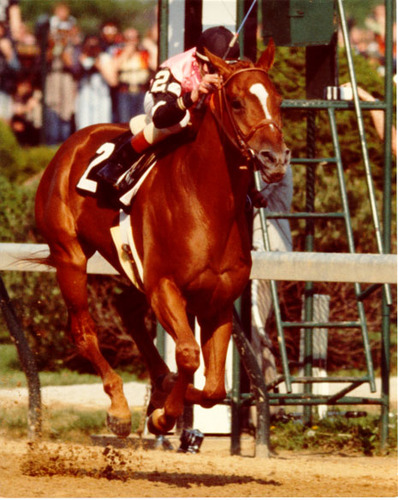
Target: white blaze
point(262, 95)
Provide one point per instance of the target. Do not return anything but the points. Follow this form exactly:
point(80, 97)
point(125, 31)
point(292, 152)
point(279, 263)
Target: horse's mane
point(241, 64)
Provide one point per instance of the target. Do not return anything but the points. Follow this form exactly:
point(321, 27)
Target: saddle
point(131, 172)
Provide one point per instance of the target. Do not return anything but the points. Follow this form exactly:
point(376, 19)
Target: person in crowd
point(61, 20)
point(60, 86)
point(26, 118)
point(28, 52)
point(9, 67)
point(175, 88)
point(10, 15)
point(111, 38)
point(150, 44)
point(96, 75)
point(112, 43)
point(132, 67)
point(376, 24)
point(362, 41)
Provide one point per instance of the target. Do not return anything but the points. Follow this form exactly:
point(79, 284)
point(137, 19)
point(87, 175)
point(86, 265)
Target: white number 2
point(104, 153)
point(160, 84)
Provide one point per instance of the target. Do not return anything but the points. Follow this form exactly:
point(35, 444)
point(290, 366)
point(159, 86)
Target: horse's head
point(252, 105)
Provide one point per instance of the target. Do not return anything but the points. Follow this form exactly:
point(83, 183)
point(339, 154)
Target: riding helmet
point(217, 40)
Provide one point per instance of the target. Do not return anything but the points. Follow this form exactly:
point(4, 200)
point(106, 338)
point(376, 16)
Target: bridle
point(239, 139)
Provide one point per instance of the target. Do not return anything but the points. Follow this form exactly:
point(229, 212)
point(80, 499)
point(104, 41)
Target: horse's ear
point(223, 68)
point(266, 59)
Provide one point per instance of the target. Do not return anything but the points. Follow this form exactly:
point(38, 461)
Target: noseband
point(240, 140)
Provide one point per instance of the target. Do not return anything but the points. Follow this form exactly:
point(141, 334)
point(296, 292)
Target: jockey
point(176, 87)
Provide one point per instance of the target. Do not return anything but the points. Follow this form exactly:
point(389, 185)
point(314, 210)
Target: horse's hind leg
point(71, 262)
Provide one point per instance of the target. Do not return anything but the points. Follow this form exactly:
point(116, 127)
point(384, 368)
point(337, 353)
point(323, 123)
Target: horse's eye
point(236, 104)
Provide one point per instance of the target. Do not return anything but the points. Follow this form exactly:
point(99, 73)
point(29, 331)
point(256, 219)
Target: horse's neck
point(219, 171)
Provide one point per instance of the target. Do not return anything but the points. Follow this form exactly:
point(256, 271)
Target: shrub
point(10, 151)
point(16, 211)
point(20, 164)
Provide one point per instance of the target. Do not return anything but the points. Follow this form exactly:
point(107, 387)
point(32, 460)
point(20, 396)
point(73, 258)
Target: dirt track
point(52, 470)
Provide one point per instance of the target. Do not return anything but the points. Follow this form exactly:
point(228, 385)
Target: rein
point(240, 140)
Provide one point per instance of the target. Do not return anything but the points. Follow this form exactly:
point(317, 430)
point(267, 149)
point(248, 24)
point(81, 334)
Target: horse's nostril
point(268, 156)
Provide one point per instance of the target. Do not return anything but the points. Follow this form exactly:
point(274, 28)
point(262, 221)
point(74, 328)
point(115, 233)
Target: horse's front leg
point(170, 308)
point(72, 278)
point(215, 336)
point(162, 380)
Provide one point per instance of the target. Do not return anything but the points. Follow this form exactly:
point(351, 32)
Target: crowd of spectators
point(100, 78)
point(88, 78)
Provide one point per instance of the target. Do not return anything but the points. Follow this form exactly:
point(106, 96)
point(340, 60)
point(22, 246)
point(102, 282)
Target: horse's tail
point(43, 261)
point(25, 256)
point(35, 261)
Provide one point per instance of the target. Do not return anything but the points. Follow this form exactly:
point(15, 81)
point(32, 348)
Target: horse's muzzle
point(273, 165)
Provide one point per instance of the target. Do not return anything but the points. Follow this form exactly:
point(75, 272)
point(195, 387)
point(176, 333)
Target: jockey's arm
point(170, 102)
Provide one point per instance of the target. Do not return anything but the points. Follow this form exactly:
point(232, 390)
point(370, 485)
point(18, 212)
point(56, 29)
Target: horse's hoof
point(160, 390)
point(158, 423)
point(153, 422)
point(120, 427)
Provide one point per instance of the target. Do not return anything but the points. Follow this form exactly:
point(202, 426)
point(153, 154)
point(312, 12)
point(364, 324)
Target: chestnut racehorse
point(190, 233)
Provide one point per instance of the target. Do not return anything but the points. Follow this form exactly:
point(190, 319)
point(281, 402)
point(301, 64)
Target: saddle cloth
point(135, 175)
point(123, 239)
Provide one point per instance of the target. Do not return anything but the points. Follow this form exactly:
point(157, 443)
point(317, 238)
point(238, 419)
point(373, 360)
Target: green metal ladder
point(308, 324)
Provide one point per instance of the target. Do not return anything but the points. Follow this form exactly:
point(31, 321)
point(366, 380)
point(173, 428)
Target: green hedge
point(17, 164)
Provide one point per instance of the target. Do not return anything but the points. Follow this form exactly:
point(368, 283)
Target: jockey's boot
point(120, 161)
